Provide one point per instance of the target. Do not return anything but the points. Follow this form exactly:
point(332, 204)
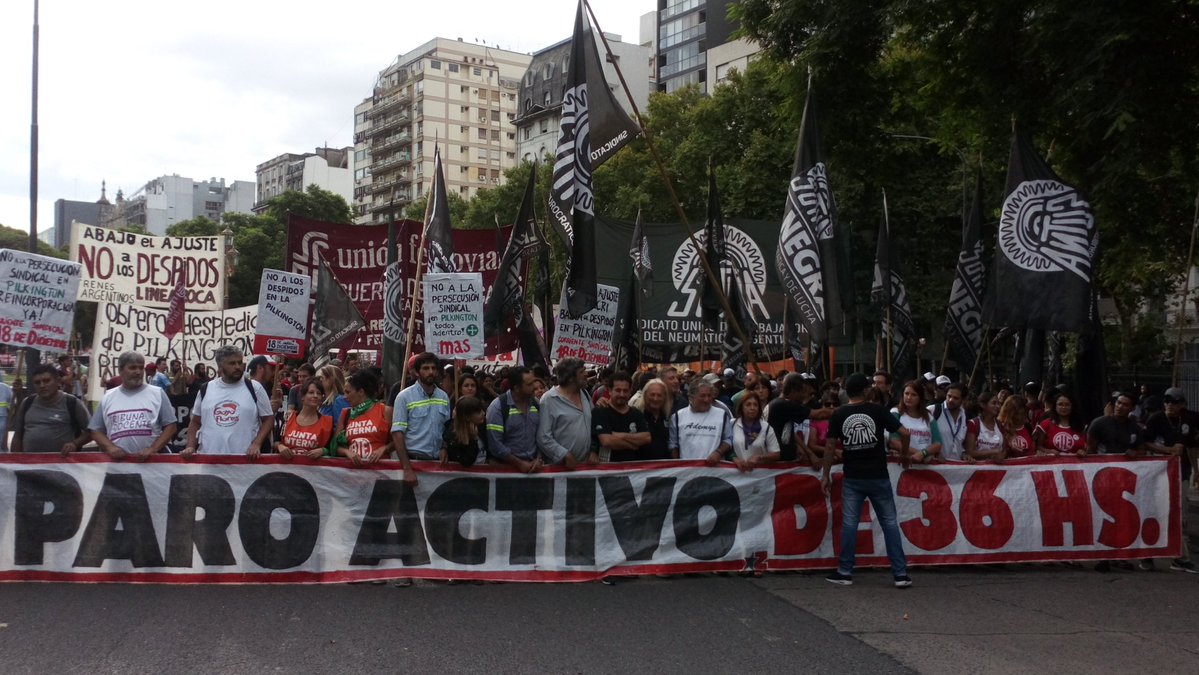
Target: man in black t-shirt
point(786, 413)
point(1116, 434)
point(860, 429)
point(1175, 431)
point(620, 431)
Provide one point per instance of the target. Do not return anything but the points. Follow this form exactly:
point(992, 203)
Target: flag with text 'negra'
point(963, 318)
point(1045, 257)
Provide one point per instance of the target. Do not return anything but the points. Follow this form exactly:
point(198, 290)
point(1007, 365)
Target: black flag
point(963, 319)
point(506, 297)
point(1045, 254)
point(733, 352)
point(587, 107)
point(437, 222)
point(889, 292)
point(643, 266)
point(335, 317)
point(714, 250)
point(809, 254)
point(630, 328)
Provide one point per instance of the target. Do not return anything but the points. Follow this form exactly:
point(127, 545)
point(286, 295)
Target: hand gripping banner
point(228, 520)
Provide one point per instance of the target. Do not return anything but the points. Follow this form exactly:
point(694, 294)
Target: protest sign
point(37, 300)
point(282, 314)
point(142, 269)
point(274, 520)
point(123, 328)
point(454, 315)
point(589, 337)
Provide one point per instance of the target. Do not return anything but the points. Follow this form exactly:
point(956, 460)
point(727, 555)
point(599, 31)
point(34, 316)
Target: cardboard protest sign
point(589, 337)
point(454, 315)
point(37, 300)
point(283, 314)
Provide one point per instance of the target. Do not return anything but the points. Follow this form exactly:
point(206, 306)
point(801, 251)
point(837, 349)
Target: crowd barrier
point(232, 520)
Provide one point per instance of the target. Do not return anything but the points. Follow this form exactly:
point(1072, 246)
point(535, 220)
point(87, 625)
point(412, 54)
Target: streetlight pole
point(230, 265)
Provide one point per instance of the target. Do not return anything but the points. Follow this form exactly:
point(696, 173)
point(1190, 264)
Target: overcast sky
point(135, 89)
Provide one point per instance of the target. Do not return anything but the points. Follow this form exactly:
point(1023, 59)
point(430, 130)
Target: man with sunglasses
point(1175, 431)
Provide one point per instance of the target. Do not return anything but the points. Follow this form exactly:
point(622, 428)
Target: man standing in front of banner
point(564, 431)
point(420, 413)
point(52, 420)
point(232, 415)
point(860, 429)
point(512, 420)
point(135, 418)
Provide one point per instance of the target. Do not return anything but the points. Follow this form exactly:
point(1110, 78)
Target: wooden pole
point(1186, 291)
point(713, 277)
point(420, 275)
point(944, 357)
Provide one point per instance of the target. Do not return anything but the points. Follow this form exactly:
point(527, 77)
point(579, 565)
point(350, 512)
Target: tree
point(314, 203)
point(416, 209)
point(18, 240)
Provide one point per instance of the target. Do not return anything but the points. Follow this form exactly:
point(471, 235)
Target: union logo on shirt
point(1064, 441)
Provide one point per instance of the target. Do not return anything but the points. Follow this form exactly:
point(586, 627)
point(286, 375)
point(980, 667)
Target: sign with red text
point(589, 337)
point(141, 269)
point(283, 314)
point(304, 520)
point(453, 315)
point(37, 300)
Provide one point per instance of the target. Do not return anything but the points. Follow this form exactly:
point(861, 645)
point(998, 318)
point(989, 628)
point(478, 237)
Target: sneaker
point(1146, 566)
point(1103, 566)
point(402, 582)
point(903, 582)
point(840, 579)
point(1183, 566)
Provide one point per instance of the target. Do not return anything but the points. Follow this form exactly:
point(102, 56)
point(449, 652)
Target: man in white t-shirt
point(135, 418)
point(701, 430)
point(231, 415)
point(950, 418)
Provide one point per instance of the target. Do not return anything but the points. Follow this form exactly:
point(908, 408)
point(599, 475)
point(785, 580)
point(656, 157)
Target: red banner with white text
point(228, 520)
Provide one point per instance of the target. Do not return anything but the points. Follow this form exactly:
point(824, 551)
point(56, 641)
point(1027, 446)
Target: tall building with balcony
point(687, 29)
point(544, 82)
point(328, 168)
point(460, 95)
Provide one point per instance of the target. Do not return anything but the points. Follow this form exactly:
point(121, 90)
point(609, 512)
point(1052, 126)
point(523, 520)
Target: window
point(359, 155)
point(549, 70)
point(482, 175)
point(547, 99)
point(464, 129)
point(482, 114)
point(359, 174)
point(478, 71)
point(482, 134)
point(525, 133)
point(511, 136)
point(464, 189)
point(511, 116)
point(212, 206)
point(495, 175)
point(360, 118)
point(435, 64)
point(495, 154)
point(452, 67)
point(545, 126)
point(495, 116)
point(482, 154)
point(495, 134)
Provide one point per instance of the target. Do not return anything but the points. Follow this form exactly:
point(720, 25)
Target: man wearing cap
point(156, 378)
point(1175, 431)
point(231, 415)
point(419, 416)
point(860, 430)
point(950, 418)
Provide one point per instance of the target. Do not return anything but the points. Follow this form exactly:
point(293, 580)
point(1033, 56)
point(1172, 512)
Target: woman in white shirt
point(985, 436)
point(925, 444)
point(754, 442)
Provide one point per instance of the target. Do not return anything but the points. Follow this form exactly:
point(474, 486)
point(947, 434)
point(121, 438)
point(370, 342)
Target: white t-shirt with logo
point(229, 418)
point(921, 433)
point(132, 419)
point(698, 435)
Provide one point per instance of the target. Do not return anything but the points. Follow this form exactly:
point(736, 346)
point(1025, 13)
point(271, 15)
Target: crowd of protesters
point(528, 419)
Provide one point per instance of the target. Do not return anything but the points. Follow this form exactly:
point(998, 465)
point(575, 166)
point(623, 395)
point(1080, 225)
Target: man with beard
point(512, 420)
point(419, 417)
point(134, 418)
point(620, 430)
point(231, 415)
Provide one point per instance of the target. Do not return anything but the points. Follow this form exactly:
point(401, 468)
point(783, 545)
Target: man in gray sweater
point(564, 431)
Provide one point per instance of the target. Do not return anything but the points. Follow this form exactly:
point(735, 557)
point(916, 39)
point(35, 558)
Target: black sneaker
point(903, 582)
point(840, 579)
point(1179, 565)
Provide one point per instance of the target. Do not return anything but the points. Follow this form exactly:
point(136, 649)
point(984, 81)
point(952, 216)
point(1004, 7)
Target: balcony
point(391, 142)
point(402, 197)
point(390, 123)
point(389, 103)
point(380, 187)
point(398, 159)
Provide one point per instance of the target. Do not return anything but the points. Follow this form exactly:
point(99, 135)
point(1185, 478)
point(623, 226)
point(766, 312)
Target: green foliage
point(18, 240)
point(416, 209)
point(314, 203)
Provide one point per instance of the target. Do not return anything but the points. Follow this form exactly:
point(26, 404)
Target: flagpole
point(416, 298)
point(713, 279)
point(978, 359)
point(944, 358)
point(888, 287)
point(1186, 291)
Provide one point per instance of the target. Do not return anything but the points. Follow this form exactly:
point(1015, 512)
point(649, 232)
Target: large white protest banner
point(283, 314)
point(454, 314)
point(124, 328)
point(141, 269)
point(274, 520)
point(37, 300)
point(589, 337)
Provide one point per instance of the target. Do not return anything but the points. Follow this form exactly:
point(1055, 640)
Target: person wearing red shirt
point(1058, 433)
point(307, 432)
point(1013, 416)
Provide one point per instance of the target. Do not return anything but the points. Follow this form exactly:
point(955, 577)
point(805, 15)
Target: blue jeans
point(854, 491)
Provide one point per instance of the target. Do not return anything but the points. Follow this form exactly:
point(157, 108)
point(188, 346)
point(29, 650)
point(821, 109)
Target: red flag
point(174, 324)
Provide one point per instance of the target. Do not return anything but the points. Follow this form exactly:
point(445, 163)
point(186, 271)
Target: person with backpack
point(512, 420)
point(51, 420)
point(231, 415)
point(133, 418)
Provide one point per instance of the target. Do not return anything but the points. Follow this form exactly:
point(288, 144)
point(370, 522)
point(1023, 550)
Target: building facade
point(544, 82)
point(167, 200)
point(328, 168)
point(460, 95)
point(67, 211)
point(687, 29)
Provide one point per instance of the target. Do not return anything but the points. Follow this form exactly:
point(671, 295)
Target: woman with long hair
point(468, 387)
point(364, 429)
point(986, 439)
point(1013, 416)
point(334, 383)
point(925, 444)
point(655, 403)
point(754, 441)
point(1059, 433)
point(466, 439)
point(308, 432)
